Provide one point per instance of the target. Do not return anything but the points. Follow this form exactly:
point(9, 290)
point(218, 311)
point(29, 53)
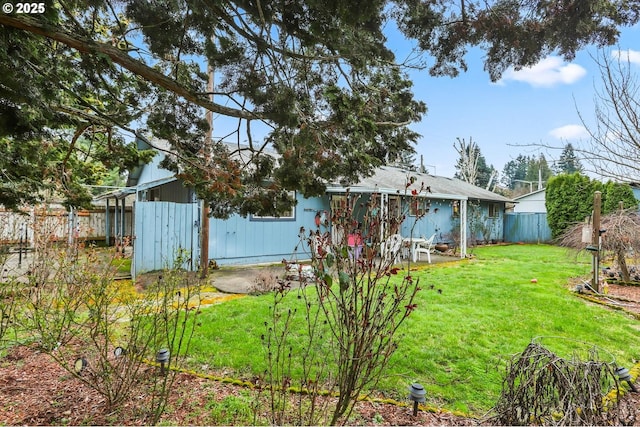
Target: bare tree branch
point(613, 150)
point(469, 155)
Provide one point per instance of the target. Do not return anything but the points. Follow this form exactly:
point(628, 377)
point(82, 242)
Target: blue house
point(167, 218)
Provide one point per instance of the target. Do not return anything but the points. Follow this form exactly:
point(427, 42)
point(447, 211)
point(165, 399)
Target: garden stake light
point(119, 351)
point(417, 395)
point(80, 365)
point(162, 357)
point(623, 375)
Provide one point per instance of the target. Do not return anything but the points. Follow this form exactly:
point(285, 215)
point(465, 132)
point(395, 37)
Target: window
point(394, 206)
point(286, 216)
point(494, 210)
point(418, 206)
point(339, 201)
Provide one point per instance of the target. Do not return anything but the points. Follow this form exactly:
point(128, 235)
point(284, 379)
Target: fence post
point(595, 239)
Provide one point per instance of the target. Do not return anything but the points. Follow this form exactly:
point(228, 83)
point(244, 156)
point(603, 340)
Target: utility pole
point(204, 230)
point(595, 240)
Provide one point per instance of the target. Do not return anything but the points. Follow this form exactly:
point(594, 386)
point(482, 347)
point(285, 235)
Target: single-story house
point(168, 218)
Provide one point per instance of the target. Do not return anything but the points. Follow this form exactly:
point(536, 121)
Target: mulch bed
point(34, 390)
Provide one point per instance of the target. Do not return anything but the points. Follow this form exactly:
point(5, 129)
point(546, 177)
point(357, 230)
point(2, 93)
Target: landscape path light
point(162, 357)
point(80, 365)
point(417, 394)
point(623, 375)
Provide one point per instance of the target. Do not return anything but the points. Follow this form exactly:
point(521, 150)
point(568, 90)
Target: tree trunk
point(622, 263)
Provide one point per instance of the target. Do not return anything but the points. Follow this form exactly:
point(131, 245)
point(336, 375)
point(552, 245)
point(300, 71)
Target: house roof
point(393, 180)
point(385, 179)
point(119, 193)
point(528, 195)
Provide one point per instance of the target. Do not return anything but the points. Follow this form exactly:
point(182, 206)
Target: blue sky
point(536, 106)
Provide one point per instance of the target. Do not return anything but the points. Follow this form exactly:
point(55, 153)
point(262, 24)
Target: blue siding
point(239, 240)
point(439, 222)
point(526, 227)
point(636, 193)
point(443, 224)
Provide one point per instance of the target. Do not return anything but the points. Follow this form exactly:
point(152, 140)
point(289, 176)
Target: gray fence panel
point(164, 231)
point(526, 227)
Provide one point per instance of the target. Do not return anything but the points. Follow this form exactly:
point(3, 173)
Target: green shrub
point(569, 199)
point(614, 193)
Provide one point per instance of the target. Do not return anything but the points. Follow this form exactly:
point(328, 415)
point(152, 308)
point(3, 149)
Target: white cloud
point(569, 132)
point(546, 73)
point(632, 56)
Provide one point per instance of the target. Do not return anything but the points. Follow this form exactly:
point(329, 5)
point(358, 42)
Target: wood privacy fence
point(58, 224)
point(167, 236)
point(526, 227)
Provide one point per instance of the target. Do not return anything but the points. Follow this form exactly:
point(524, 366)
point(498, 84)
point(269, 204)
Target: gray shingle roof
point(389, 179)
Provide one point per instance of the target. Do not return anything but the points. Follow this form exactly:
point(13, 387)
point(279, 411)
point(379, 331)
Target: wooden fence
point(526, 227)
point(59, 224)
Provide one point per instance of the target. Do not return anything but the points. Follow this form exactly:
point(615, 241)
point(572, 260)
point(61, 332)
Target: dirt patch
point(617, 297)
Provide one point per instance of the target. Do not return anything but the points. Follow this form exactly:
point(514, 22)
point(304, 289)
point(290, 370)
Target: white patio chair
point(425, 248)
point(391, 248)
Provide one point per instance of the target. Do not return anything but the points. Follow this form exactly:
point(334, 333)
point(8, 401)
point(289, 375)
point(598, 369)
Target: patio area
point(247, 279)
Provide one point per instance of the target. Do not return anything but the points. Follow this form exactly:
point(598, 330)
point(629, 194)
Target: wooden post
point(107, 225)
point(204, 230)
point(595, 240)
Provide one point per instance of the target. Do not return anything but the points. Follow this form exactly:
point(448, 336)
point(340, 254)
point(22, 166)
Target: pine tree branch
point(88, 46)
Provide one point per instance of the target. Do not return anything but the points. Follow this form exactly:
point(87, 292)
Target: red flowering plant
point(356, 298)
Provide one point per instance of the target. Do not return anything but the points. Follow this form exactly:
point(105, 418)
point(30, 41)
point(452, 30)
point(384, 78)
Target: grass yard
point(471, 315)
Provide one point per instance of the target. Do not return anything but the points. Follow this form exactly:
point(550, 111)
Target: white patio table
point(412, 243)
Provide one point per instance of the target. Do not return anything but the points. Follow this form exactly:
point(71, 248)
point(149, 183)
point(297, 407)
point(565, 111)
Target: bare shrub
point(541, 388)
point(12, 297)
point(621, 238)
point(80, 315)
point(335, 334)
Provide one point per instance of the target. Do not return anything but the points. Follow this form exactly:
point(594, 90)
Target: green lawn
point(456, 341)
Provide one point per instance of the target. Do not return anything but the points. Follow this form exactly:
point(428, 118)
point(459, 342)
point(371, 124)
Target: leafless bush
point(621, 237)
point(338, 336)
point(541, 388)
point(12, 297)
point(81, 315)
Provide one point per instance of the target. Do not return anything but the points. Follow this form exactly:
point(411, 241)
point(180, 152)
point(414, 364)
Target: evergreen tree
point(406, 160)
point(569, 200)
point(515, 170)
point(568, 161)
point(614, 193)
point(318, 77)
point(472, 166)
point(538, 171)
